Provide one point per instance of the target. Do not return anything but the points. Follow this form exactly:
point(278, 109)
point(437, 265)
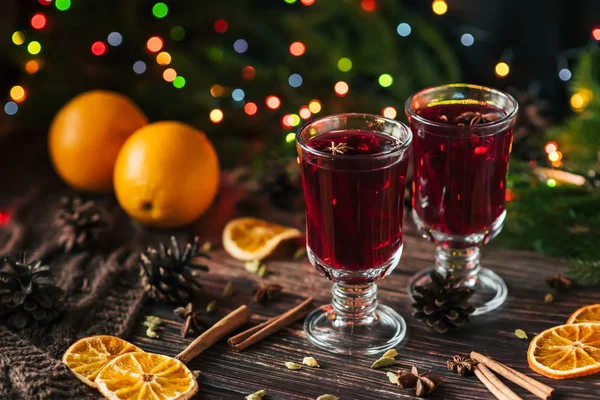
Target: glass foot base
point(384, 330)
point(490, 289)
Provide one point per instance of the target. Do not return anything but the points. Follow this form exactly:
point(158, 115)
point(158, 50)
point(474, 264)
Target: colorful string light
point(290, 137)
point(403, 29)
point(179, 82)
point(314, 106)
point(389, 112)
point(99, 48)
point(18, 94)
point(304, 112)
point(155, 44)
point(273, 102)
point(467, 40)
point(341, 88)
point(550, 147)
point(216, 116)
point(11, 108)
point(160, 10)
point(62, 5)
point(248, 73)
point(344, 64)
point(502, 69)
point(297, 49)
point(295, 80)
point(439, 7)
point(307, 2)
point(45, 2)
point(564, 74)
point(551, 183)
point(32, 66)
point(114, 39)
point(18, 38)
point(177, 33)
point(240, 46)
point(38, 21)
point(238, 94)
point(385, 80)
point(169, 75)
point(217, 91)
point(596, 34)
point(163, 58)
point(250, 108)
point(34, 47)
point(368, 5)
point(221, 26)
point(139, 67)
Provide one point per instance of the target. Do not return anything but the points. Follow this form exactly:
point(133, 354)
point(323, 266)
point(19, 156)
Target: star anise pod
point(267, 292)
point(422, 383)
point(190, 317)
point(461, 365)
point(559, 282)
point(474, 118)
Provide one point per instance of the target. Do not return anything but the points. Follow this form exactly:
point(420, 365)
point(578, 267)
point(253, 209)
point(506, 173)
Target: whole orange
point(86, 136)
point(167, 174)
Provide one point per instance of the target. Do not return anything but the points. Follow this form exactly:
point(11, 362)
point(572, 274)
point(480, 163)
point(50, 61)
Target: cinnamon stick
point(271, 326)
point(498, 383)
point(537, 388)
point(489, 385)
point(240, 337)
point(231, 322)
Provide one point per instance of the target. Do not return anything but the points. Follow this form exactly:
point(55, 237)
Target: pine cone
point(281, 182)
point(28, 296)
point(80, 223)
point(168, 275)
point(442, 303)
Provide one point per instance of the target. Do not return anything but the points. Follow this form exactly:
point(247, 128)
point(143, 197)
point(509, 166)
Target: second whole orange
point(167, 174)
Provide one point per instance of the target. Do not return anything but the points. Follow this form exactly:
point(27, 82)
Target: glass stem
point(463, 263)
point(354, 304)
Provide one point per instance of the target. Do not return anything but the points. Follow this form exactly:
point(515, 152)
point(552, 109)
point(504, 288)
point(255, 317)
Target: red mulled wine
point(460, 167)
point(354, 198)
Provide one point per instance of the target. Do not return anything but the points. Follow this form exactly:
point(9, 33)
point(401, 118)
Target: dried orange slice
point(249, 239)
point(87, 356)
point(589, 313)
point(146, 376)
point(566, 351)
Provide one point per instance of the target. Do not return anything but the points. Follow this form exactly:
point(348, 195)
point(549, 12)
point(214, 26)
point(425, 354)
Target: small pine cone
point(80, 223)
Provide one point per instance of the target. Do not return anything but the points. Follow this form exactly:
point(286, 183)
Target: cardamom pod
point(150, 325)
point(211, 307)
point(327, 397)
point(207, 246)
point(293, 366)
point(228, 289)
point(383, 362)
point(263, 271)
point(393, 378)
point(256, 395)
point(151, 333)
point(252, 266)
point(548, 298)
point(521, 334)
point(196, 373)
point(300, 253)
point(311, 362)
point(392, 353)
point(154, 320)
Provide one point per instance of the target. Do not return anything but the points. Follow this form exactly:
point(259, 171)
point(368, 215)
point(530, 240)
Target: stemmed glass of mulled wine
point(354, 176)
point(462, 140)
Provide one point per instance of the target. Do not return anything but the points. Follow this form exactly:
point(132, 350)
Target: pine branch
point(585, 271)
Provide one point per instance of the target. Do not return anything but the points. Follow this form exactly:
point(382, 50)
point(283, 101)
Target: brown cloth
point(102, 296)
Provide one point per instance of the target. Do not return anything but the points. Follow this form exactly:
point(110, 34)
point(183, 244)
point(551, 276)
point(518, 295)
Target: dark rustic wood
point(226, 374)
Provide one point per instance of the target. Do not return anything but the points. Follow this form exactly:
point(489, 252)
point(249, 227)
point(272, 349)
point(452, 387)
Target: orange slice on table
point(589, 313)
point(87, 356)
point(146, 376)
point(566, 351)
point(248, 239)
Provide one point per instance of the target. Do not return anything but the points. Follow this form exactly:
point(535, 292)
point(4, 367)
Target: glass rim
point(510, 115)
point(402, 146)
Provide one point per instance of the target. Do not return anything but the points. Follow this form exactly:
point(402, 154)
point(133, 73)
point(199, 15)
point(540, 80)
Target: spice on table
point(196, 373)
point(327, 397)
point(393, 378)
point(300, 253)
point(252, 266)
point(521, 334)
point(152, 324)
point(267, 292)
point(293, 366)
point(256, 395)
point(548, 298)
point(559, 282)
point(384, 362)
point(190, 317)
point(423, 384)
point(263, 270)
point(392, 353)
point(257, 333)
point(228, 289)
point(207, 246)
point(493, 384)
point(211, 307)
point(461, 365)
point(311, 362)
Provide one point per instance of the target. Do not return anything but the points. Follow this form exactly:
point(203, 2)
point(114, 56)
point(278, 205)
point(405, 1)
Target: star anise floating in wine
point(475, 118)
point(423, 384)
point(461, 365)
point(339, 148)
point(267, 292)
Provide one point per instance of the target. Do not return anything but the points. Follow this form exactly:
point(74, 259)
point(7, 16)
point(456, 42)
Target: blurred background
point(248, 72)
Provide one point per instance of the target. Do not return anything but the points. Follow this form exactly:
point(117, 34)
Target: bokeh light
point(155, 44)
point(596, 34)
point(216, 116)
point(345, 64)
point(179, 82)
point(163, 58)
point(314, 106)
point(38, 21)
point(34, 47)
point(11, 108)
point(290, 1)
point(307, 2)
point(304, 112)
point(160, 10)
point(273, 102)
point(45, 2)
point(389, 112)
point(221, 26)
point(217, 91)
point(293, 120)
point(404, 29)
point(238, 94)
point(439, 7)
point(341, 88)
point(240, 46)
point(467, 40)
point(177, 33)
point(17, 93)
point(139, 67)
point(295, 80)
point(169, 75)
point(18, 38)
point(297, 49)
point(550, 147)
point(577, 101)
point(502, 69)
point(368, 5)
point(62, 5)
point(385, 80)
point(250, 108)
point(551, 182)
point(248, 73)
point(564, 74)
point(115, 39)
point(553, 156)
point(99, 48)
point(32, 66)
point(290, 137)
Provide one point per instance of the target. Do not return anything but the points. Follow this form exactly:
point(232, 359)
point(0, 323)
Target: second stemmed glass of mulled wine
point(462, 138)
